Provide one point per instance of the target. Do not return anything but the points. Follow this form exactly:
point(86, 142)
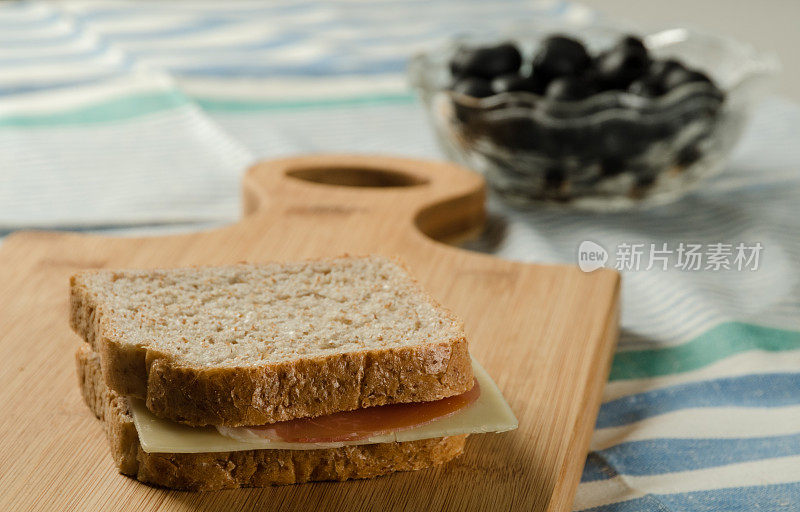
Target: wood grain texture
point(545, 333)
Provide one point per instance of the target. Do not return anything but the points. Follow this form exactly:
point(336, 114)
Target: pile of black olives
point(542, 149)
point(563, 70)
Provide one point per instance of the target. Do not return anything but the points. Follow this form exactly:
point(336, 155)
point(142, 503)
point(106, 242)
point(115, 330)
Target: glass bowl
point(612, 151)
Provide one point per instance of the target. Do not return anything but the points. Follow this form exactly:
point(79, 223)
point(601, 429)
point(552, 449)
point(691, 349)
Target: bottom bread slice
point(251, 468)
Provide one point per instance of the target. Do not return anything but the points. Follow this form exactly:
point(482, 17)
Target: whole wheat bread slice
point(256, 344)
point(252, 468)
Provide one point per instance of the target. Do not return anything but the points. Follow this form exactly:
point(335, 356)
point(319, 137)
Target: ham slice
point(364, 423)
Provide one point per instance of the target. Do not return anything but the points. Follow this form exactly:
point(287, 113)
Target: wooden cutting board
point(545, 333)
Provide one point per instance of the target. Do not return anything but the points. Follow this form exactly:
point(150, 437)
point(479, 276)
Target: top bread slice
point(256, 344)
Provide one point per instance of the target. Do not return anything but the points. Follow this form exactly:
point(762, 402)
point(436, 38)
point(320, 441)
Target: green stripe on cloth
point(235, 105)
point(115, 109)
point(718, 343)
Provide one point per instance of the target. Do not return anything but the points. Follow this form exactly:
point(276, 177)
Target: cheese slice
point(490, 413)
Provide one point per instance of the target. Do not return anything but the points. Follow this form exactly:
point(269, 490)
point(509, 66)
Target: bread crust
point(257, 395)
point(252, 468)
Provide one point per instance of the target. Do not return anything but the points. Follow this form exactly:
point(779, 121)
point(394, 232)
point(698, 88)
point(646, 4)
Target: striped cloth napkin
point(140, 117)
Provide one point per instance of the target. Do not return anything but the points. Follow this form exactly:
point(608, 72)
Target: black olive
point(518, 133)
point(473, 86)
point(646, 180)
point(623, 139)
point(688, 155)
point(554, 178)
point(561, 56)
point(623, 64)
point(569, 89)
point(647, 87)
point(612, 166)
point(516, 82)
point(486, 62)
point(632, 42)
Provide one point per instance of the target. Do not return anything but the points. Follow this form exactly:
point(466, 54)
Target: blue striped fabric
point(735, 499)
point(662, 455)
point(775, 390)
point(156, 108)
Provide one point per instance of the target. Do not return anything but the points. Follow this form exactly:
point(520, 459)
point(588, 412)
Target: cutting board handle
point(440, 199)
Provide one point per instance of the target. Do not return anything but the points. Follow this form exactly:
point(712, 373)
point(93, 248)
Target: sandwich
point(247, 375)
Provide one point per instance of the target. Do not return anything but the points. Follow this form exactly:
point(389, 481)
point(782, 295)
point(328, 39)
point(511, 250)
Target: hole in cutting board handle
point(367, 177)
